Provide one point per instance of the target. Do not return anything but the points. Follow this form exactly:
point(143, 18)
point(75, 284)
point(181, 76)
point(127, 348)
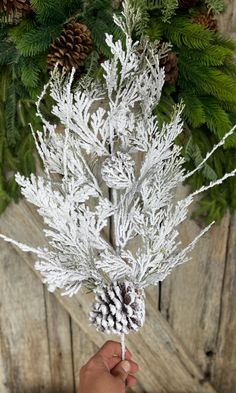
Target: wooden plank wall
point(166, 365)
point(45, 338)
point(227, 21)
point(198, 299)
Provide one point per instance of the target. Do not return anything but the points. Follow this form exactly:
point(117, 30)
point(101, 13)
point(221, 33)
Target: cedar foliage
point(24, 46)
point(207, 85)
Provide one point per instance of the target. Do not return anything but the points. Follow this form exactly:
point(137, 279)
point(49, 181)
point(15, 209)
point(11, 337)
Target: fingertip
point(134, 367)
point(131, 381)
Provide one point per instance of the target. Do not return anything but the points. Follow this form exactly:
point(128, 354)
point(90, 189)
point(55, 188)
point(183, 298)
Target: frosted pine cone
point(119, 308)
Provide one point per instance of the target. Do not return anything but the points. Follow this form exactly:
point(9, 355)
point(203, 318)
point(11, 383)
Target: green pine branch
point(217, 120)
point(206, 80)
point(30, 72)
point(193, 152)
point(37, 40)
point(210, 56)
point(10, 113)
point(182, 32)
point(167, 8)
point(8, 53)
point(194, 112)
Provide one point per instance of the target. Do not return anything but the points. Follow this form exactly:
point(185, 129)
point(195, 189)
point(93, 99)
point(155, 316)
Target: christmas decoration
point(168, 8)
point(169, 62)
point(207, 20)
point(210, 102)
point(110, 139)
point(25, 40)
point(17, 110)
point(71, 48)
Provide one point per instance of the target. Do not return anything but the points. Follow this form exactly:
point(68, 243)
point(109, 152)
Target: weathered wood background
point(188, 344)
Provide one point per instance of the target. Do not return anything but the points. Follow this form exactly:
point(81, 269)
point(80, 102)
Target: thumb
point(122, 370)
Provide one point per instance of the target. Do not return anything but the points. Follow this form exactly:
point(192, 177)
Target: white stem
point(209, 154)
point(91, 174)
point(213, 183)
point(122, 341)
point(23, 247)
point(65, 153)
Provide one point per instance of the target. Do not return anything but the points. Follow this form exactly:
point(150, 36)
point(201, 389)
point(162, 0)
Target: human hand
point(105, 372)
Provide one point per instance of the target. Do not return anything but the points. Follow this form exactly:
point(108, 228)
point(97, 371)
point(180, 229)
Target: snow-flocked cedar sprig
point(109, 128)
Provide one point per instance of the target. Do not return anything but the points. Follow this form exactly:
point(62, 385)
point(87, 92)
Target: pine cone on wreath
point(71, 48)
point(12, 6)
point(170, 63)
point(186, 4)
point(207, 20)
point(119, 308)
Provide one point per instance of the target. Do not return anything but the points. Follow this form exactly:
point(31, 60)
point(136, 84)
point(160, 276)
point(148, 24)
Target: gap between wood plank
point(172, 349)
point(223, 281)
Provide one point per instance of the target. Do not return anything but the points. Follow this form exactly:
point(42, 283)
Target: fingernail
point(126, 366)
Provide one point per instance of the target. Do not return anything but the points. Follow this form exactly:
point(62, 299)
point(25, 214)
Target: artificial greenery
point(16, 144)
point(168, 8)
point(34, 34)
point(24, 46)
point(206, 83)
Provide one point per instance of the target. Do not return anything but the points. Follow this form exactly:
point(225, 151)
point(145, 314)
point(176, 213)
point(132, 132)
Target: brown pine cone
point(207, 20)
point(170, 63)
point(12, 6)
point(71, 48)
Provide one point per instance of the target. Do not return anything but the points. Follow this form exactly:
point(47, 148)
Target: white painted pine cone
point(118, 308)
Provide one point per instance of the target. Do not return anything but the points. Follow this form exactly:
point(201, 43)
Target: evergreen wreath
point(26, 40)
point(168, 8)
point(206, 82)
point(109, 124)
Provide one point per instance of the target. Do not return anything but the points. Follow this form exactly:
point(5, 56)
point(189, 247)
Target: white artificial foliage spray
point(109, 129)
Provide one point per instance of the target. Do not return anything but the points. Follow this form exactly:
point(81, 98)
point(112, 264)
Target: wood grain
point(197, 299)
point(191, 295)
point(59, 345)
point(35, 331)
point(227, 20)
point(224, 364)
point(25, 363)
